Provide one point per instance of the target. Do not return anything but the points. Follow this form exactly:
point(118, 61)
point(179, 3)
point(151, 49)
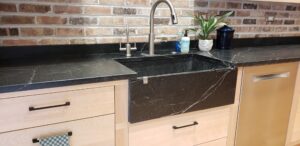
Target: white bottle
point(185, 43)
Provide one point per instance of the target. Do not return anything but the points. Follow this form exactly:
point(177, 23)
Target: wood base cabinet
point(204, 128)
point(218, 142)
point(95, 114)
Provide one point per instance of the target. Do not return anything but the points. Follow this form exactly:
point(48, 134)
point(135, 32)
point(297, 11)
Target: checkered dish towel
point(60, 140)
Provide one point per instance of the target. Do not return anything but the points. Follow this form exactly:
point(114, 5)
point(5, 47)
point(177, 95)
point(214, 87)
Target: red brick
point(278, 6)
point(97, 10)
point(260, 35)
point(283, 15)
point(215, 4)
point(7, 7)
point(143, 2)
point(20, 42)
point(54, 42)
point(124, 11)
point(69, 32)
point(280, 29)
point(36, 31)
point(83, 21)
point(98, 31)
point(249, 6)
point(213, 12)
point(264, 6)
point(234, 5)
point(71, 1)
point(112, 2)
point(32, 8)
point(16, 20)
point(67, 9)
point(3, 32)
point(243, 13)
point(13, 31)
point(235, 21)
point(249, 21)
point(200, 3)
point(51, 20)
point(289, 22)
point(83, 41)
point(9, 32)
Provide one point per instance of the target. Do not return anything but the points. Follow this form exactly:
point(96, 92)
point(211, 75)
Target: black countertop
point(248, 56)
point(19, 76)
point(60, 72)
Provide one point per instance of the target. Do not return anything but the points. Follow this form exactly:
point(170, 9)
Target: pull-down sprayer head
point(173, 18)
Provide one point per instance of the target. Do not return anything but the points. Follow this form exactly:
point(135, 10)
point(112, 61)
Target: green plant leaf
point(212, 23)
point(223, 17)
point(208, 24)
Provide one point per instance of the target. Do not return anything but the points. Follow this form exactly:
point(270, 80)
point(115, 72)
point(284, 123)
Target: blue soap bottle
point(177, 44)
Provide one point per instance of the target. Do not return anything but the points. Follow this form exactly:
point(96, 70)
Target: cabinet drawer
point(218, 142)
point(98, 131)
point(15, 113)
point(212, 125)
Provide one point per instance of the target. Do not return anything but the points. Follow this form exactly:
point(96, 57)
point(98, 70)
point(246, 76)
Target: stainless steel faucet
point(152, 35)
point(128, 47)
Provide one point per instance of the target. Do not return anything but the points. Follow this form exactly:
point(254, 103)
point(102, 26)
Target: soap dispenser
point(185, 43)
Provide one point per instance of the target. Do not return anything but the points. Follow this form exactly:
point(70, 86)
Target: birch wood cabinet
point(95, 114)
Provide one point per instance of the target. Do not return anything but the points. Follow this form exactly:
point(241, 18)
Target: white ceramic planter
point(205, 45)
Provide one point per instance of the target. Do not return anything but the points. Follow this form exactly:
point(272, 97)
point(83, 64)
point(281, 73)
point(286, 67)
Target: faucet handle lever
point(127, 33)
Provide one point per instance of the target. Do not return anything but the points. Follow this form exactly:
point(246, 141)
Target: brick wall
point(44, 22)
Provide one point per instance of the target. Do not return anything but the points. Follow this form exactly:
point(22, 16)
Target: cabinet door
point(265, 105)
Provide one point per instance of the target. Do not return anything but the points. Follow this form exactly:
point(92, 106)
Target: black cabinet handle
point(35, 140)
point(194, 124)
point(46, 107)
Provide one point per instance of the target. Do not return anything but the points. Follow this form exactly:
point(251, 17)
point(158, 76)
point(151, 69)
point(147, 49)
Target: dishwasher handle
point(271, 76)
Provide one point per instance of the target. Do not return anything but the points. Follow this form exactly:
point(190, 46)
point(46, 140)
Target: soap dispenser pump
point(185, 43)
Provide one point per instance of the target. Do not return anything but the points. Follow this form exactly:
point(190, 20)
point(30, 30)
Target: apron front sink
point(176, 84)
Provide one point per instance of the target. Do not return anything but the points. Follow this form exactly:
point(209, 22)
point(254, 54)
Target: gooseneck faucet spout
point(173, 18)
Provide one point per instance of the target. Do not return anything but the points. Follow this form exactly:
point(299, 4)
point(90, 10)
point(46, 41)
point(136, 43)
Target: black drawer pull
point(195, 123)
point(35, 140)
point(46, 107)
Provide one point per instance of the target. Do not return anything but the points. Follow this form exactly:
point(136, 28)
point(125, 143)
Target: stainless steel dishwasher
point(265, 104)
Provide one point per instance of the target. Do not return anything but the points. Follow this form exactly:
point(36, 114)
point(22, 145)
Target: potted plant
point(207, 25)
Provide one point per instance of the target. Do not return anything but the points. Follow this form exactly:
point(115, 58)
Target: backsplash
point(47, 22)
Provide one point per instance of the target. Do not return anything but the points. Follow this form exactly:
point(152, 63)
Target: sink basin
point(176, 84)
point(171, 64)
